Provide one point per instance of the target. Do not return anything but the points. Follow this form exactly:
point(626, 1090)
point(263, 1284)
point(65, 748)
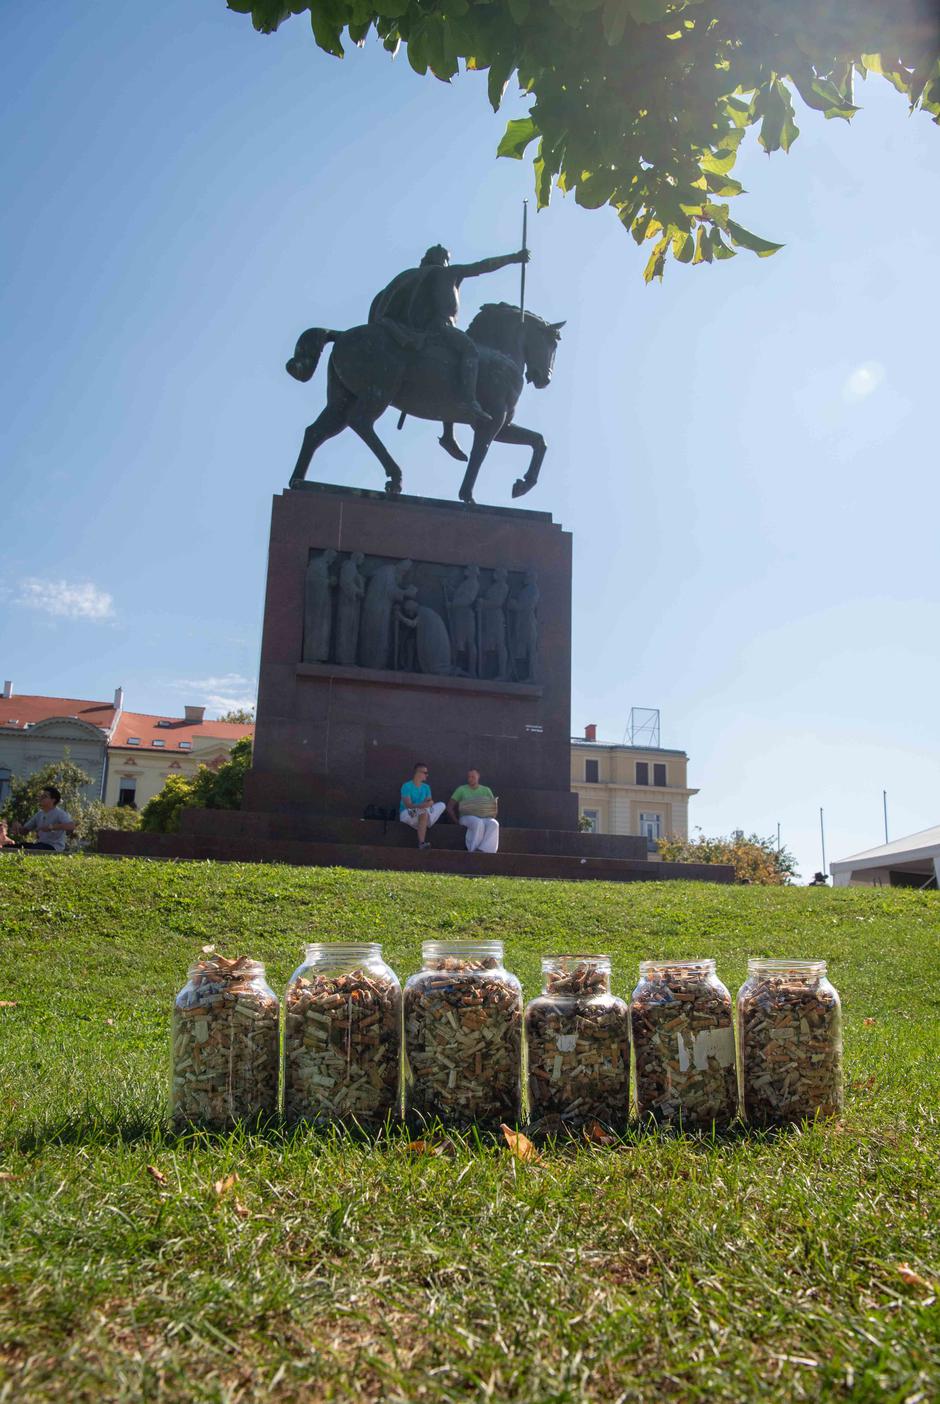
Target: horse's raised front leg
point(482, 438)
point(330, 422)
point(362, 419)
point(516, 434)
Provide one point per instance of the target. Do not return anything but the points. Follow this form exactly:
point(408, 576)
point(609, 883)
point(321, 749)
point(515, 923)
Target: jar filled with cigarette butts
point(342, 1037)
point(578, 1045)
point(226, 1031)
point(682, 1026)
point(790, 1034)
point(463, 1037)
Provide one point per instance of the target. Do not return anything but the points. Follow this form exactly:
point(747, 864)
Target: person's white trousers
point(482, 834)
point(411, 816)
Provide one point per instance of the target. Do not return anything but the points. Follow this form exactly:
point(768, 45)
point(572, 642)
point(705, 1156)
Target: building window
point(133, 740)
point(591, 818)
point(5, 777)
point(127, 793)
point(651, 826)
point(158, 743)
point(164, 723)
point(642, 772)
point(591, 772)
point(186, 745)
point(659, 773)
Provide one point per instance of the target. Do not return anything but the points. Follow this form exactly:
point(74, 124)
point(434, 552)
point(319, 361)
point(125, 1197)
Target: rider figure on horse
point(426, 299)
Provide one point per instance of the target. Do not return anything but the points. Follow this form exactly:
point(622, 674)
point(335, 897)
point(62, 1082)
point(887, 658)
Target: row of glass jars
point(464, 1027)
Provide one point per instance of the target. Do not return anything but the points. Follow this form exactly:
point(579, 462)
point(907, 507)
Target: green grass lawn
point(788, 1267)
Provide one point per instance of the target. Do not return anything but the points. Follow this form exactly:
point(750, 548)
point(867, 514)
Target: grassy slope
point(661, 1268)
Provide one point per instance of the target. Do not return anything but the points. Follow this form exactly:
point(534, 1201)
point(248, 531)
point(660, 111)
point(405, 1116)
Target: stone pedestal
point(485, 683)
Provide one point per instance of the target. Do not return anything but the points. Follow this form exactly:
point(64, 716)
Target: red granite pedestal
point(333, 738)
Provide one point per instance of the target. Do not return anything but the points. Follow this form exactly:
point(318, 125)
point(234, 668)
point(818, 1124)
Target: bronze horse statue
point(373, 367)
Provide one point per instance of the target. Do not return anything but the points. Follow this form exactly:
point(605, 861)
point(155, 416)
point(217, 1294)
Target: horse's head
point(541, 343)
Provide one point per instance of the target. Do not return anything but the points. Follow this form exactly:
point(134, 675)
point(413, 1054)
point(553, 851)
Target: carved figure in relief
point(318, 608)
point(463, 623)
point(524, 628)
point(491, 607)
point(423, 641)
point(385, 589)
point(352, 588)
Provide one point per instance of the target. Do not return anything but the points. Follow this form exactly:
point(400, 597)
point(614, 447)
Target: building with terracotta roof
point(36, 731)
point(145, 750)
point(129, 755)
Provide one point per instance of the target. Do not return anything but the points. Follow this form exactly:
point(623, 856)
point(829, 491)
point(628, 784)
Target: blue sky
point(746, 454)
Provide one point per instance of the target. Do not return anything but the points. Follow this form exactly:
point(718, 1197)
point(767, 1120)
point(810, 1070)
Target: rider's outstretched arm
point(489, 265)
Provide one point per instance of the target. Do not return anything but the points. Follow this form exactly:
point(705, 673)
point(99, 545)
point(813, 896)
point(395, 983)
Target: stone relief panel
point(421, 617)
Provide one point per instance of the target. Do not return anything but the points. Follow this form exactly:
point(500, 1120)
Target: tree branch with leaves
point(642, 105)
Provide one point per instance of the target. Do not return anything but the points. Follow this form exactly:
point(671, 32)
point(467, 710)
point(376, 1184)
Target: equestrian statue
point(412, 355)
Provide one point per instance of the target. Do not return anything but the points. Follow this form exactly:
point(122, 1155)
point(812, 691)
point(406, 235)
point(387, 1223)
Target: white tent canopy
point(906, 862)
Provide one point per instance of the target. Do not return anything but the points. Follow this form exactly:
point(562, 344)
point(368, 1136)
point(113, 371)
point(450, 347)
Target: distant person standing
point(474, 806)
point(416, 807)
point(50, 823)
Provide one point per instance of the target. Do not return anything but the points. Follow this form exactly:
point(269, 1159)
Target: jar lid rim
point(706, 963)
point(759, 963)
point(313, 948)
point(483, 945)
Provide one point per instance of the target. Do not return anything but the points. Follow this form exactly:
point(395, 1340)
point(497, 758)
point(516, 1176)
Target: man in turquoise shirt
point(416, 808)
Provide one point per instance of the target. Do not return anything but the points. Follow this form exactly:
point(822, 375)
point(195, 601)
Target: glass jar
point(226, 1031)
point(342, 1036)
point(682, 1026)
point(790, 1035)
point(578, 1045)
point(463, 1036)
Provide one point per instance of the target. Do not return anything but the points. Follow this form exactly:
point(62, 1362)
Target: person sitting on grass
point(474, 806)
point(50, 823)
point(416, 807)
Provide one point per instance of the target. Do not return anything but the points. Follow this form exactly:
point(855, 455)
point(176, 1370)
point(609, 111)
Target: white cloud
point(219, 694)
point(863, 380)
point(65, 600)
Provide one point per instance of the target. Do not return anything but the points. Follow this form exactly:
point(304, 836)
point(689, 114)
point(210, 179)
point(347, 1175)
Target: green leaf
point(614, 20)
point(595, 189)
point(519, 9)
point(519, 132)
point(498, 77)
point(722, 184)
point(822, 95)
point(718, 246)
point(778, 128)
point(683, 247)
point(703, 248)
point(326, 31)
point(746, 240)
point(657, 260)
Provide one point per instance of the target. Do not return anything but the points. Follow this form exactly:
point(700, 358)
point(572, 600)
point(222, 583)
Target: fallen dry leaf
point(208, 950)
point(595, 1134)
point(912, 1278)
point(446, 1147)
point(223, 1186)
point(8, 1175)
point(241, 1210)
point(8, 1003)
point(870, 1021)
point(521, 1147)
point(156, 1174)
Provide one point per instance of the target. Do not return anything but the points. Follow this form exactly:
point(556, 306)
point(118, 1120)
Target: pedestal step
point(222, 848)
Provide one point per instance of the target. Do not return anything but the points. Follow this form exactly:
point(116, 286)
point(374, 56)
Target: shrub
point(754, 859)
point(95, 816)
point(207, 789)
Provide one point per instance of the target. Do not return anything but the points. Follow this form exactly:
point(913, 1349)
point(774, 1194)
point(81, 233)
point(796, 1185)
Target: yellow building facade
point(631, 789)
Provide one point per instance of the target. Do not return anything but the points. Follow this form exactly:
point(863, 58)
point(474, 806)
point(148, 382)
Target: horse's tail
point(308, 351)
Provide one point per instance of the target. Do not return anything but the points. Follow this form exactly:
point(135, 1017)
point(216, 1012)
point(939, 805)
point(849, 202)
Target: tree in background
point(69, 778)
point(207, 789)
point(643, 104)
point(754, 859)
point(242, 716)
